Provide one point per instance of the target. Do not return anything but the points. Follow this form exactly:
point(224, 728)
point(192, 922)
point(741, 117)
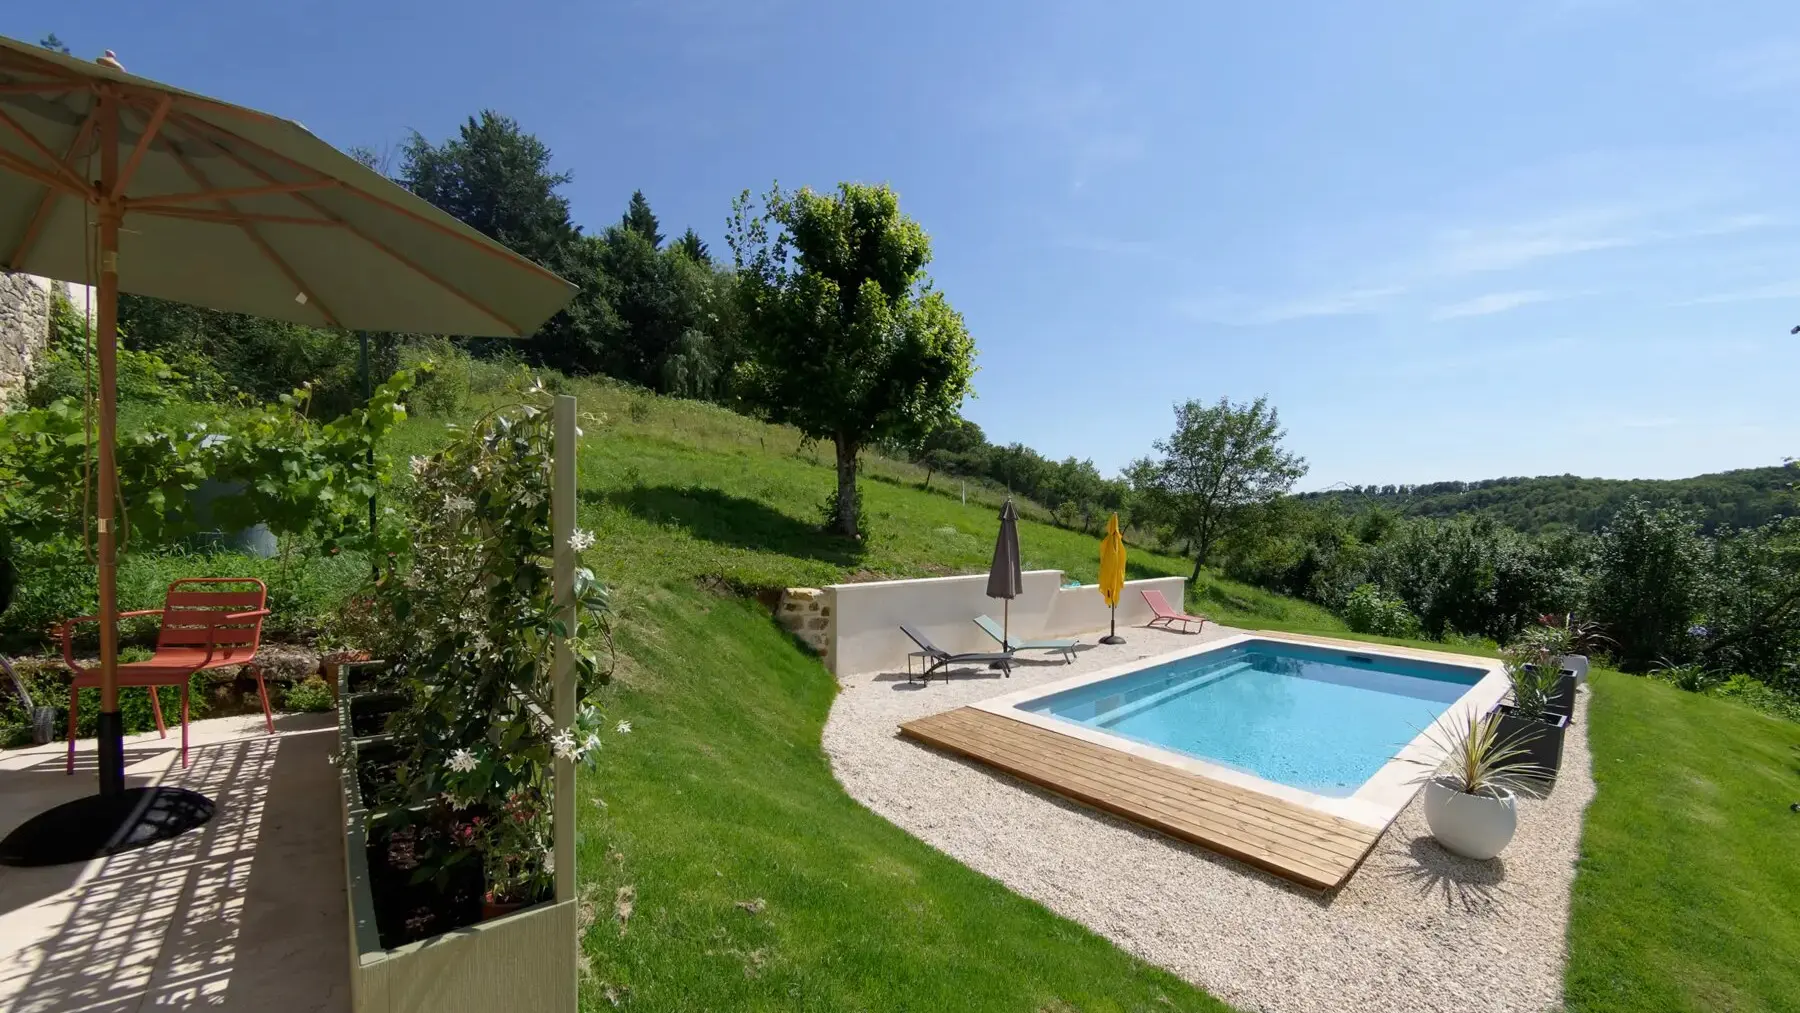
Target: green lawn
point(1688, 892)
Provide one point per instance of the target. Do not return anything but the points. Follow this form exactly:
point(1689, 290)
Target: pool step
point(1113, 717)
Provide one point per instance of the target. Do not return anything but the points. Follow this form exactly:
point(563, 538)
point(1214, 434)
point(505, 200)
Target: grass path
point(1688, 894)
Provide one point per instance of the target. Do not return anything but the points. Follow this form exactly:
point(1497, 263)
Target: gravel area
point(1415, 929)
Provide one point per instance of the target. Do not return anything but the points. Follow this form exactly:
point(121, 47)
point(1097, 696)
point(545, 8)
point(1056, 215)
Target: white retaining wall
point(865, 618)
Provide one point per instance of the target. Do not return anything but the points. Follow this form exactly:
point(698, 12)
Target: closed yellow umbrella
point(1112, 575)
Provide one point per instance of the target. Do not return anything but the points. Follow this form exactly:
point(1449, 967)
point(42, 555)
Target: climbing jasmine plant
point(469, 618)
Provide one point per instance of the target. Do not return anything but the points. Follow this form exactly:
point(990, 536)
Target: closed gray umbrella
point(1005, 580)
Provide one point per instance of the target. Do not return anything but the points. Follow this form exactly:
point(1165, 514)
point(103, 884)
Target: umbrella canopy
point(1112, 563)
point(130, 185)
point(235, 209)
point(1004, 577)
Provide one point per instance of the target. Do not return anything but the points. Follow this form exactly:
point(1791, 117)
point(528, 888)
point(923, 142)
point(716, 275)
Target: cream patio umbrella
point(130, 185)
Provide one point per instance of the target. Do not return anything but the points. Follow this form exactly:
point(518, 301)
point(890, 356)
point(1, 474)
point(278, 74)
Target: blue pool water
point(1316, 718)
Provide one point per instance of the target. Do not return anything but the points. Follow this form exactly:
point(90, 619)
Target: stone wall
point(806, 613)
point(24, 331)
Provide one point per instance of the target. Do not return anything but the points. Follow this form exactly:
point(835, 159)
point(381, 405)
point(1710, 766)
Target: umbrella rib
point(37, 88)
point(56, 165)
point(229, 217)
point(256, 237)
point(487, 246)
point(42, 215)
point(163, 200)
point(151, 126)
point(357, 232)
point(37, 174)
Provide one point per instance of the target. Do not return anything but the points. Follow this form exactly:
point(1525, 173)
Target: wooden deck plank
point(1316, 849)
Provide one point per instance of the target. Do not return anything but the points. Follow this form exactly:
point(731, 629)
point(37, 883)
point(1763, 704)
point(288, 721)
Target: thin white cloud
point(1493, 302)
point(1759, 293)
point(1085, 122)
point(1246, 313)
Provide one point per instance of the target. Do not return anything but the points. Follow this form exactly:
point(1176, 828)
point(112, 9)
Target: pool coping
point(1374, 804)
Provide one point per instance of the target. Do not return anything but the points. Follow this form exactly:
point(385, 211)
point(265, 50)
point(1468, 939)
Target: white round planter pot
point(1473, 826)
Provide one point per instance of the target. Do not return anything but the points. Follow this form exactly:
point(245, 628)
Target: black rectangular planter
point(1562, 700)
point(1540, 738)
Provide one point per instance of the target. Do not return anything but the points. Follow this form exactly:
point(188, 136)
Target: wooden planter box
point(524, 962)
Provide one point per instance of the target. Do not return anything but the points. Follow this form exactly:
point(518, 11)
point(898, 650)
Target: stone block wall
point(806, 613)
point(24, 331)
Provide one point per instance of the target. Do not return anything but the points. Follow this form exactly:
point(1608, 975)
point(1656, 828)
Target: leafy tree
point(639, 219)
point(656, 296)
point(497, 178)
point(847, 339)
point(1221, 459)
point(1649, 580)
point(690, 245)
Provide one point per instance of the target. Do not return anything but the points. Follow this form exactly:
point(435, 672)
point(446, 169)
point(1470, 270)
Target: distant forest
point(1745, 498)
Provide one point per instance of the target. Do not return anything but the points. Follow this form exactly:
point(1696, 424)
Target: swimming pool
point(1322, 721)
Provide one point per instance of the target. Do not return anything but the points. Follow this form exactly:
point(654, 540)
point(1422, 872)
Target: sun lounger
point(938, 658)
point(998, 632)
point(1167, 615)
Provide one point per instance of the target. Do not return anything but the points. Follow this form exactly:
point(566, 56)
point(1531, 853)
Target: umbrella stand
point(118, 818)
point(1112, 629)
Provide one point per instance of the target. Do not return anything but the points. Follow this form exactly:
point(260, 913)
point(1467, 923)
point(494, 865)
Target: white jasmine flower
point(462, 761)
point(623, 728)
point(481, 643)
point(459, 504)
point(591, 743)
point(563, 744)
point(581, 540)
point(419, 464)
point(457, 802)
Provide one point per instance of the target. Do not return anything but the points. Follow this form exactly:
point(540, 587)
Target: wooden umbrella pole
point(111, 731)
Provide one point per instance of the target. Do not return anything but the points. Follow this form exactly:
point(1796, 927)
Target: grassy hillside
point(1744, 498)
point(1688, 892)
point(688, 491)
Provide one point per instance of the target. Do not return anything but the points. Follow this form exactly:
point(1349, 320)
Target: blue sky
point(1449, 240)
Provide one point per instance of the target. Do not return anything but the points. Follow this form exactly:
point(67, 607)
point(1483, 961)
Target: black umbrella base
point(1112, 638)
point(101, 825)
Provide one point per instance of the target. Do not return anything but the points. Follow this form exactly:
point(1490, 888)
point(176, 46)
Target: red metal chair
point(201, 629)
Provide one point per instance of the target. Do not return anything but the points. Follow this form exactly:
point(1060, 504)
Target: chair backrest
point(922, 640)
point(993, 629)
point(1158, 604)
point(195, 609)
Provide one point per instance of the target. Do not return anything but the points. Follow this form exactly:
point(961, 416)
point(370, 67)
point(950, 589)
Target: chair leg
point(156, 709)
point(184, 719)
point(263, 691)
point(74, 709)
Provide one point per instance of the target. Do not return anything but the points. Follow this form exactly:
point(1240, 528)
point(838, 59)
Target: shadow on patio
point(246, 913)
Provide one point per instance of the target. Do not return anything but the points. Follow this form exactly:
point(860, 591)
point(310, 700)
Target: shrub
point(469, 622)
point(311, 695)
point(1691, 677)
point(1369, 609)
point(1759, 695)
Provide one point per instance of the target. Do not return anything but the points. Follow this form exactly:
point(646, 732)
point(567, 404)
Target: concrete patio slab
point(246, 913)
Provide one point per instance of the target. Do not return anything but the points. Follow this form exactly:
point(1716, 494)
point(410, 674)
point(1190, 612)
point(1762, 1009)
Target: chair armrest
point(247, 615)
point(67, 632)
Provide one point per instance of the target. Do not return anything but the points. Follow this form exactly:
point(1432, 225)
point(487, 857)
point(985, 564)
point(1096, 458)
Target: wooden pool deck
point(1311, 848)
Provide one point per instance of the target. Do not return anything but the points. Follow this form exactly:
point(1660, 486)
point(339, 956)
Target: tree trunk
point(847, 504)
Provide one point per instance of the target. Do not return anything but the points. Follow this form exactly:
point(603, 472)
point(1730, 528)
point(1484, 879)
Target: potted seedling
point(1469, 801)
point(1539, 689)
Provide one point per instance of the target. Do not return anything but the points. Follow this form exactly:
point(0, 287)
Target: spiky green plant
point(1533, 668)
point(1477, 761)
